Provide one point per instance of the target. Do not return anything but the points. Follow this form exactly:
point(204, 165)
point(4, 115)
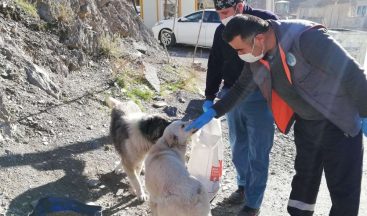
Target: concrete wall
point(354, 42)
point(187, 6)
point(261, 4)
point(149, 12)
point(341, 15)
point(153, 10)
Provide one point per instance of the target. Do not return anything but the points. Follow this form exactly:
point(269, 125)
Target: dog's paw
point(118, 171)
point(118, 168)
point(143, 198)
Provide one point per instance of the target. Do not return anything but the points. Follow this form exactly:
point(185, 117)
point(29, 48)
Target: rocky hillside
point(43, 42)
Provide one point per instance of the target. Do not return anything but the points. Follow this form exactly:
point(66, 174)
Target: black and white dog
point(133, 133)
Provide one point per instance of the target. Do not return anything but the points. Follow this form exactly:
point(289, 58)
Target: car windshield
point(211, 17)
point(195, 17)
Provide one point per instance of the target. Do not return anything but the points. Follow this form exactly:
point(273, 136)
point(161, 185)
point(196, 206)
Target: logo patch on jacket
point(291, 59)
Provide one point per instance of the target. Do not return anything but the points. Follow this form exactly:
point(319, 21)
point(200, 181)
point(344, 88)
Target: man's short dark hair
point(246, 26)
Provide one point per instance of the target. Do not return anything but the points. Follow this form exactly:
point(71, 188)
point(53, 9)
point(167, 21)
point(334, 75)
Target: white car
point(186, 29)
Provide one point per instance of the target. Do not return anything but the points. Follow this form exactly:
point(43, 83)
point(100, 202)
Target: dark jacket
point(324, 75)
point(224, 63)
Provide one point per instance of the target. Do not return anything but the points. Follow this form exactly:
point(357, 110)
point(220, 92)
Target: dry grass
point(133, 85)
point(131, 81)
point(109, 45)
point(62, 11)
point(187, 80)
point(27, 7)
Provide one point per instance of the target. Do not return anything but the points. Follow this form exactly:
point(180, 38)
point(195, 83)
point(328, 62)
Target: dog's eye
point(182, 126)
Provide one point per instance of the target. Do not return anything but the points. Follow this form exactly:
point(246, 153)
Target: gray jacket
point(324, 75)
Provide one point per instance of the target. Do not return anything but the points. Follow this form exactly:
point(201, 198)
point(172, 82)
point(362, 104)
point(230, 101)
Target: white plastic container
point(206, 159)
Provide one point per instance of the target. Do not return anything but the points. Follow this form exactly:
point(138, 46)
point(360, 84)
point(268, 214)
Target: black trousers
point(321, 146)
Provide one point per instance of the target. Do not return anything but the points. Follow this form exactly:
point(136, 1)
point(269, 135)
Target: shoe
point(247, 211)
point(237, 197)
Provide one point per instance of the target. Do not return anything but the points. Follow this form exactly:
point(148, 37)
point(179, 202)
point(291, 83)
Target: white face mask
point(249, 57)
point(225, 21)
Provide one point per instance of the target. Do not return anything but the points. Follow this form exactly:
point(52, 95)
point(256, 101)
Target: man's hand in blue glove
point(207, 104)
point(364, 126)
point(202, 120)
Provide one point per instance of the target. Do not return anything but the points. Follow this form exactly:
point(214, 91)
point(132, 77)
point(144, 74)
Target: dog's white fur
point(172, 191)
point(129, 140)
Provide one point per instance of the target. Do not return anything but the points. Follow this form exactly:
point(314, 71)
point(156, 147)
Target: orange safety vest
point(282, 112)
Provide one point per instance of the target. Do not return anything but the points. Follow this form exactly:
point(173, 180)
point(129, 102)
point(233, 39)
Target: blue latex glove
point(202, 120)
point(207, 104)
point(364, 126)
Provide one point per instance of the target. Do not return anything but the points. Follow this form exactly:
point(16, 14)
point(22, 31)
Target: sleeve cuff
point(210, 97)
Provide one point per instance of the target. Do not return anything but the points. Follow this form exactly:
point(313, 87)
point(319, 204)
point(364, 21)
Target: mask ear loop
point(253, 47)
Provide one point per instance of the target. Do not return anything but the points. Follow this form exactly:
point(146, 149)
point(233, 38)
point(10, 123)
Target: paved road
point(184, 54)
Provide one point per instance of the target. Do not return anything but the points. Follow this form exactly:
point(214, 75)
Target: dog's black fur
point(152, 128)
point(118, 129)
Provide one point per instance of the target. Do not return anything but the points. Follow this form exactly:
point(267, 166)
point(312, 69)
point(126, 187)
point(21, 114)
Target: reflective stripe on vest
point(282, 112)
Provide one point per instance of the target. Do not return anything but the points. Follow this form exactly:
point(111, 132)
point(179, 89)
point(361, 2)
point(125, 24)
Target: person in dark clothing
point(309, 79)
point(251, 125)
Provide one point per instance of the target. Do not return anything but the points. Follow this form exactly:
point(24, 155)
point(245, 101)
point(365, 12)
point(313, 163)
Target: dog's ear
point(153, 127)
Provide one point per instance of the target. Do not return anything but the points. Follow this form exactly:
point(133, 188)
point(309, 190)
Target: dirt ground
point(73, 157)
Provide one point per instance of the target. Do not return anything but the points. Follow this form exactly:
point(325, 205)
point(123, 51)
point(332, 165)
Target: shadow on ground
point(185, 51)
point(223, 208)
point(73, 184)
point(193, 110)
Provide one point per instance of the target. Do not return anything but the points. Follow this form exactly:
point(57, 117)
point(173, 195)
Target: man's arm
point(215, 64)
point(321, 50)
point(239, 91)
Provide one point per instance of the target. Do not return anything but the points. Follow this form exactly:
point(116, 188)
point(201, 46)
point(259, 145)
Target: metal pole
point(175, 17)
point(201, 24)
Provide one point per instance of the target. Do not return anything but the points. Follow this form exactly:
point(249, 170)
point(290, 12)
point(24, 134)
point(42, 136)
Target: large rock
point(92, 19)
point(4, 115)
point(4, 119)
point(151, 76)
point(45, 12)
point(140, 47)
point(40, 78)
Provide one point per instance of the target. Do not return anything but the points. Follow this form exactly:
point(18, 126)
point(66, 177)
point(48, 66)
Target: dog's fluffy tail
point(112, 102)
point(126, 106)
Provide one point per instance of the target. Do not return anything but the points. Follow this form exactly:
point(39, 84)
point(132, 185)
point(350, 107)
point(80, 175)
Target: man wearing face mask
point(307, 79)
point(250, 123)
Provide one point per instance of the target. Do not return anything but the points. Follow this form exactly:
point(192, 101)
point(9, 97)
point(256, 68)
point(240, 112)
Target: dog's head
point(175, 134)
point(153, 126)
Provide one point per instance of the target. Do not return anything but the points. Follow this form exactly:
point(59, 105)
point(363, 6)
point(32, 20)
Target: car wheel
point(167, 38)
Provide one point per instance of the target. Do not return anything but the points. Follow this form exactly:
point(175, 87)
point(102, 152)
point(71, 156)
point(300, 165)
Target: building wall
point(149, 12)
point(153, 10)
point(261, 4)
point(188, 6)
point(354, 42)
point(341, 15)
